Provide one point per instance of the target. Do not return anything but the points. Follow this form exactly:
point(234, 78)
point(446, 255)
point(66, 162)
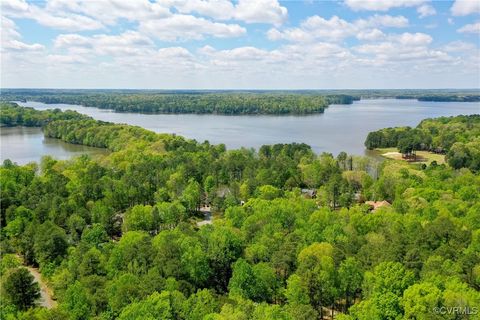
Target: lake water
point(23, 145)
point(340, 128)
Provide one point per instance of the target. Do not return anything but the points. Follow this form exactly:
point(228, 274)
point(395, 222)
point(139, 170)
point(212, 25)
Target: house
point(374, 205)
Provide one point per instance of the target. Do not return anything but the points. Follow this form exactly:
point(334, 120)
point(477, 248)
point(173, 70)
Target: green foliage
point(133, 253)
point(257, 283)
point(268, 192)
point(200, 305)
point(19, 288)
point(124, 290)
point(317, 269)
point(421, 299)
point(8, 261)
point(387, 277)
point(50, 243)
point(166, 305)
point(191, 196)
point(350, 275)
point(465, 155)
point(118, 237)
point(171, 213)
point(76, 302)
point(297, 292)
point(12, 115)
point(141, 217)
point(94, 235)
point(223, 248)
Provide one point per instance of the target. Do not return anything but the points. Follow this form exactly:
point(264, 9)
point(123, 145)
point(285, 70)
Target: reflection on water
point(23, 145)
point(340, 128)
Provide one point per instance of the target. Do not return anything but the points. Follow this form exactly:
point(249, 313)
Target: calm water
point(340, 128)
point(23, 145)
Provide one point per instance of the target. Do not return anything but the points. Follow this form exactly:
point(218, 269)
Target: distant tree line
point(443, 98)
point(228, 101)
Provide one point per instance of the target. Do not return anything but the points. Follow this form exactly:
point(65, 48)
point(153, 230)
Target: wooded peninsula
point(295, 235)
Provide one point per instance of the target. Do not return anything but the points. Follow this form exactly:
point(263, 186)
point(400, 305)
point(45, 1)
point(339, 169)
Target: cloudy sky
point(244, 44)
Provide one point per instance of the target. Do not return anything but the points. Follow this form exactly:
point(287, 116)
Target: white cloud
point(324, 52)
point(470, 28)
point(71, 40)
point(460, 46)
point(154, 18)
point(426, 10)
point(405, 59)
point(337, 29)
point(296, 58)
point(127, 43)
point(171, 59)
point(413, 38)
point(371, 35)
point(13, 6)
point(111, 11)
point(402, 53)
point(58, 58)
point(383, 21)
point(260, 11)
point(216, 9)
point(9, 31)
point(174, 52)
point(381, 5)
point(11, 38)
point(185, 27)
point(58, 20)
point(18, 45)
point(465, 7)
point(249, 11)
point(404, 48)
point(236, 55)
point(333, 29)
point(71, 22)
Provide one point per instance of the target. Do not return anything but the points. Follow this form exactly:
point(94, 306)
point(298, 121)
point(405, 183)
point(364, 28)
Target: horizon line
point(229, 89)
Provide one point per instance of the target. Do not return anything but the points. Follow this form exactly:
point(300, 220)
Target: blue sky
point(244, 44)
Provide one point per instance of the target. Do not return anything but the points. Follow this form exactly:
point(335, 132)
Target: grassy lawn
point(385, 150)
point(422, 156)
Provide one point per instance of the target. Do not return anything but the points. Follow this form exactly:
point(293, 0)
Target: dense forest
point(189, 102)
point(458, 137)
point(117, 237)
